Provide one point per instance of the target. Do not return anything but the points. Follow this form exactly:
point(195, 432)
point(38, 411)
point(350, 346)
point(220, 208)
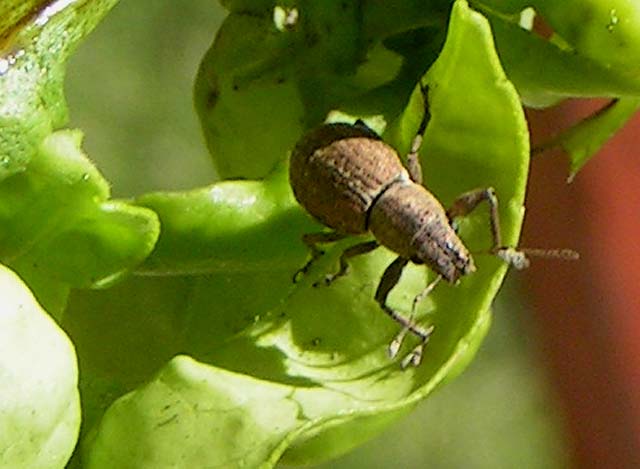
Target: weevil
point(350, 180)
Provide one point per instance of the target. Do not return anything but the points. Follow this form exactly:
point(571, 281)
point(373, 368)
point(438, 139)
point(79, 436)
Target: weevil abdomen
point(410, 221)
point(337, 172)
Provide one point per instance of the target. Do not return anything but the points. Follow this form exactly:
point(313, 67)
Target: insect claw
point(414, 357)
point(396, 343)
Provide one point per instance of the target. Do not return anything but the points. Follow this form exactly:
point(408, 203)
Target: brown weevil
point(350, 180)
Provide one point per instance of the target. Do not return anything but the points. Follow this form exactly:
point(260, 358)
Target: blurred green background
point(129, 90)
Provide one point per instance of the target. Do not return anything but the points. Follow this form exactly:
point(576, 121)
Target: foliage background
point(129, 88)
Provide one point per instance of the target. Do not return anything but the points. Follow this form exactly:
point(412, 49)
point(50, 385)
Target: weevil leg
point(389, 280)
point(517, 258)
point(413, 161)
point(415, 356)
point(424, 293)
point(312, 240)
point(467, 202)
point(347, 254)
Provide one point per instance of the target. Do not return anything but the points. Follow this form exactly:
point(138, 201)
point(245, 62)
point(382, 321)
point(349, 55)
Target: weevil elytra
point(354, 183)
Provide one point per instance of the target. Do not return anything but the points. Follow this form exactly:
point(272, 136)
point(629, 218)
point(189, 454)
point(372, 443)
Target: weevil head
point(455, 266)
point(444, 253)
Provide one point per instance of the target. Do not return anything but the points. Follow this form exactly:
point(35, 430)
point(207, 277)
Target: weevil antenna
point(562, 254)
point(519, 257)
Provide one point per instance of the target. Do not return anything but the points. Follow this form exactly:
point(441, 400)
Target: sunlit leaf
point(39, 401)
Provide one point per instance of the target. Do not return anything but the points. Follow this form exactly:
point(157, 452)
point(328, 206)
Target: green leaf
point(59, 229)
point(594, 53)
point(585, 138)
point(39, 401)
point(310, 362)
point(261, 84)
point(242, 82)
point(588, 136)
point(605, 31)
point(181, 408)
point(275, 369)
point(231, 225)
point(36, 38)
point(566, 73)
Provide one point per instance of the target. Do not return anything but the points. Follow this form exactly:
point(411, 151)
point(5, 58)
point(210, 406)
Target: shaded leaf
point(604, 31)
point(587, 137)
point(566, 74)
point(584, 139)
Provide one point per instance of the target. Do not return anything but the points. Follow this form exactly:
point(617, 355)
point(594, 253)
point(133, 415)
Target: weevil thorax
point(337, 171)
point(410, 221)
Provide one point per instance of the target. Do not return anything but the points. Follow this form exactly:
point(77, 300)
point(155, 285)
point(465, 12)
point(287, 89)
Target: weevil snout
point(447, 257)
